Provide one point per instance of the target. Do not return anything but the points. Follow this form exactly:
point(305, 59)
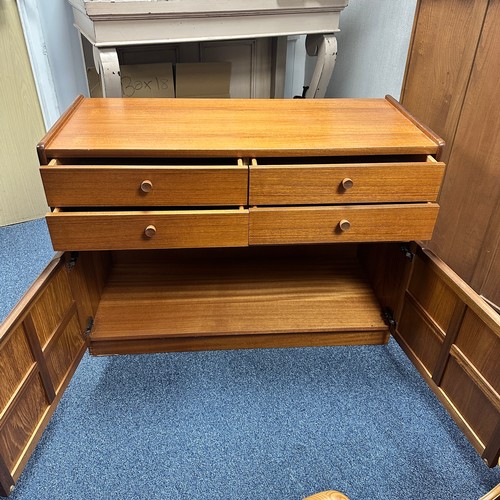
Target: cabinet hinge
point(90, 325)
point(408, 253)
point(71, 263)
point(389, 320)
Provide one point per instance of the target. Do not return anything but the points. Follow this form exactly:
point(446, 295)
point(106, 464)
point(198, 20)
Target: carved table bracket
point(325, 48)
point(108, 67)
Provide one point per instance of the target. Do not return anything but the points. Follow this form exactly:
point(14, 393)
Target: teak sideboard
point(230, 224)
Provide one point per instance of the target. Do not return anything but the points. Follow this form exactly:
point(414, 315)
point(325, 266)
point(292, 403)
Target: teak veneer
point(231, 224)
point(182, 298)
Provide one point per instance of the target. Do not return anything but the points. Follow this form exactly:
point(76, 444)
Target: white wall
point(63, 50)
point(55, 54)
point(372, 48)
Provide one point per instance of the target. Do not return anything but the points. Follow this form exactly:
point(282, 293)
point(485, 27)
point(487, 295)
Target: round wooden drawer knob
point(347, 183)
point(146, 186)
point(344, 225)
point(150, 231)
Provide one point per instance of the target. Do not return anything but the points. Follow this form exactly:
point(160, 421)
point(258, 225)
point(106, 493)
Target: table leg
point(108, 67)
point(325, 48)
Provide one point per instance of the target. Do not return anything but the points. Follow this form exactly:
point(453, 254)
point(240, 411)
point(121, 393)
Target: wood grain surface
point(451, 84)
point(322, 183)
point(243, 341)
point(115, 230)
point(440, 61)
point(472, 403)
point(41, 345)
point(320, 224)
point(470, 219)
point(236, 127)
point(453, 338)
point(120, 185)
point(482, 348)
point(236, 296)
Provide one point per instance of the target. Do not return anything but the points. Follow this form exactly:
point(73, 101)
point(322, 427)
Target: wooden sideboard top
point(234, 127)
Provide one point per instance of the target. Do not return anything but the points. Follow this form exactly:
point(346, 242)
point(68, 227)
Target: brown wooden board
point(297, 184)
point(440, 61)
point(41, 344)
point(236, 128)
point(341, 223)
point(467, 227)
point(125, 185)
point(128, 230)
point(451, 85)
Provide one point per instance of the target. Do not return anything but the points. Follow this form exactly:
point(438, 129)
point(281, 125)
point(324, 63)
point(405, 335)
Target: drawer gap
point(147, 209)
point(320, 160)
point(149, 162)
point(346, 204)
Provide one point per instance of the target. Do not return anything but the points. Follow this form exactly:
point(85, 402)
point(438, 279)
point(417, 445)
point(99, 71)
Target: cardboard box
point(147, 80)
point(202, 80)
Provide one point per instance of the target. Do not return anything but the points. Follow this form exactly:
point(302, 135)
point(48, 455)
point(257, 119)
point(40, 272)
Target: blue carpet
point(25, 250)
point(259, 424)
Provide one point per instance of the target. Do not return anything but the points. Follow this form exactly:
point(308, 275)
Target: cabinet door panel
point(41, 344)
point(457, 350)
point(475, 406)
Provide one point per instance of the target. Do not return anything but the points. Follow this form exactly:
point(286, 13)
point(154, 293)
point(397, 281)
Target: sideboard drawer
point(130, 230)
point(269, 226)
point(328, 183)
point(126, 185)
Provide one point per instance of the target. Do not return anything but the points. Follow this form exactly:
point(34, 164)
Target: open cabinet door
point(41, 343)
point(453, 338)
point(449, 333)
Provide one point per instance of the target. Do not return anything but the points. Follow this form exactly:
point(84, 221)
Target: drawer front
point(346, 183)
point(146, 230)
point(270, 226)
point(121, 186)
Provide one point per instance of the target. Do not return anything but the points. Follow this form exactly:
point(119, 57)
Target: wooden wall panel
point(471, 189)
point(486, 276)
point(451, 85)
point(440, 59)
point(491, 288)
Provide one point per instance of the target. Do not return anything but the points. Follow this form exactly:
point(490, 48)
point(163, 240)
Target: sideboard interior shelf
point(238, 298)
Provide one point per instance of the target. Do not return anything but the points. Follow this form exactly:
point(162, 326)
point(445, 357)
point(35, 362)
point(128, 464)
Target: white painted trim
point(114, 9)
point(37, 51)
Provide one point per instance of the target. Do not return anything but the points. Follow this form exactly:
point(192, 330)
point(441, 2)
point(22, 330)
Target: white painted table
point(110, 24)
